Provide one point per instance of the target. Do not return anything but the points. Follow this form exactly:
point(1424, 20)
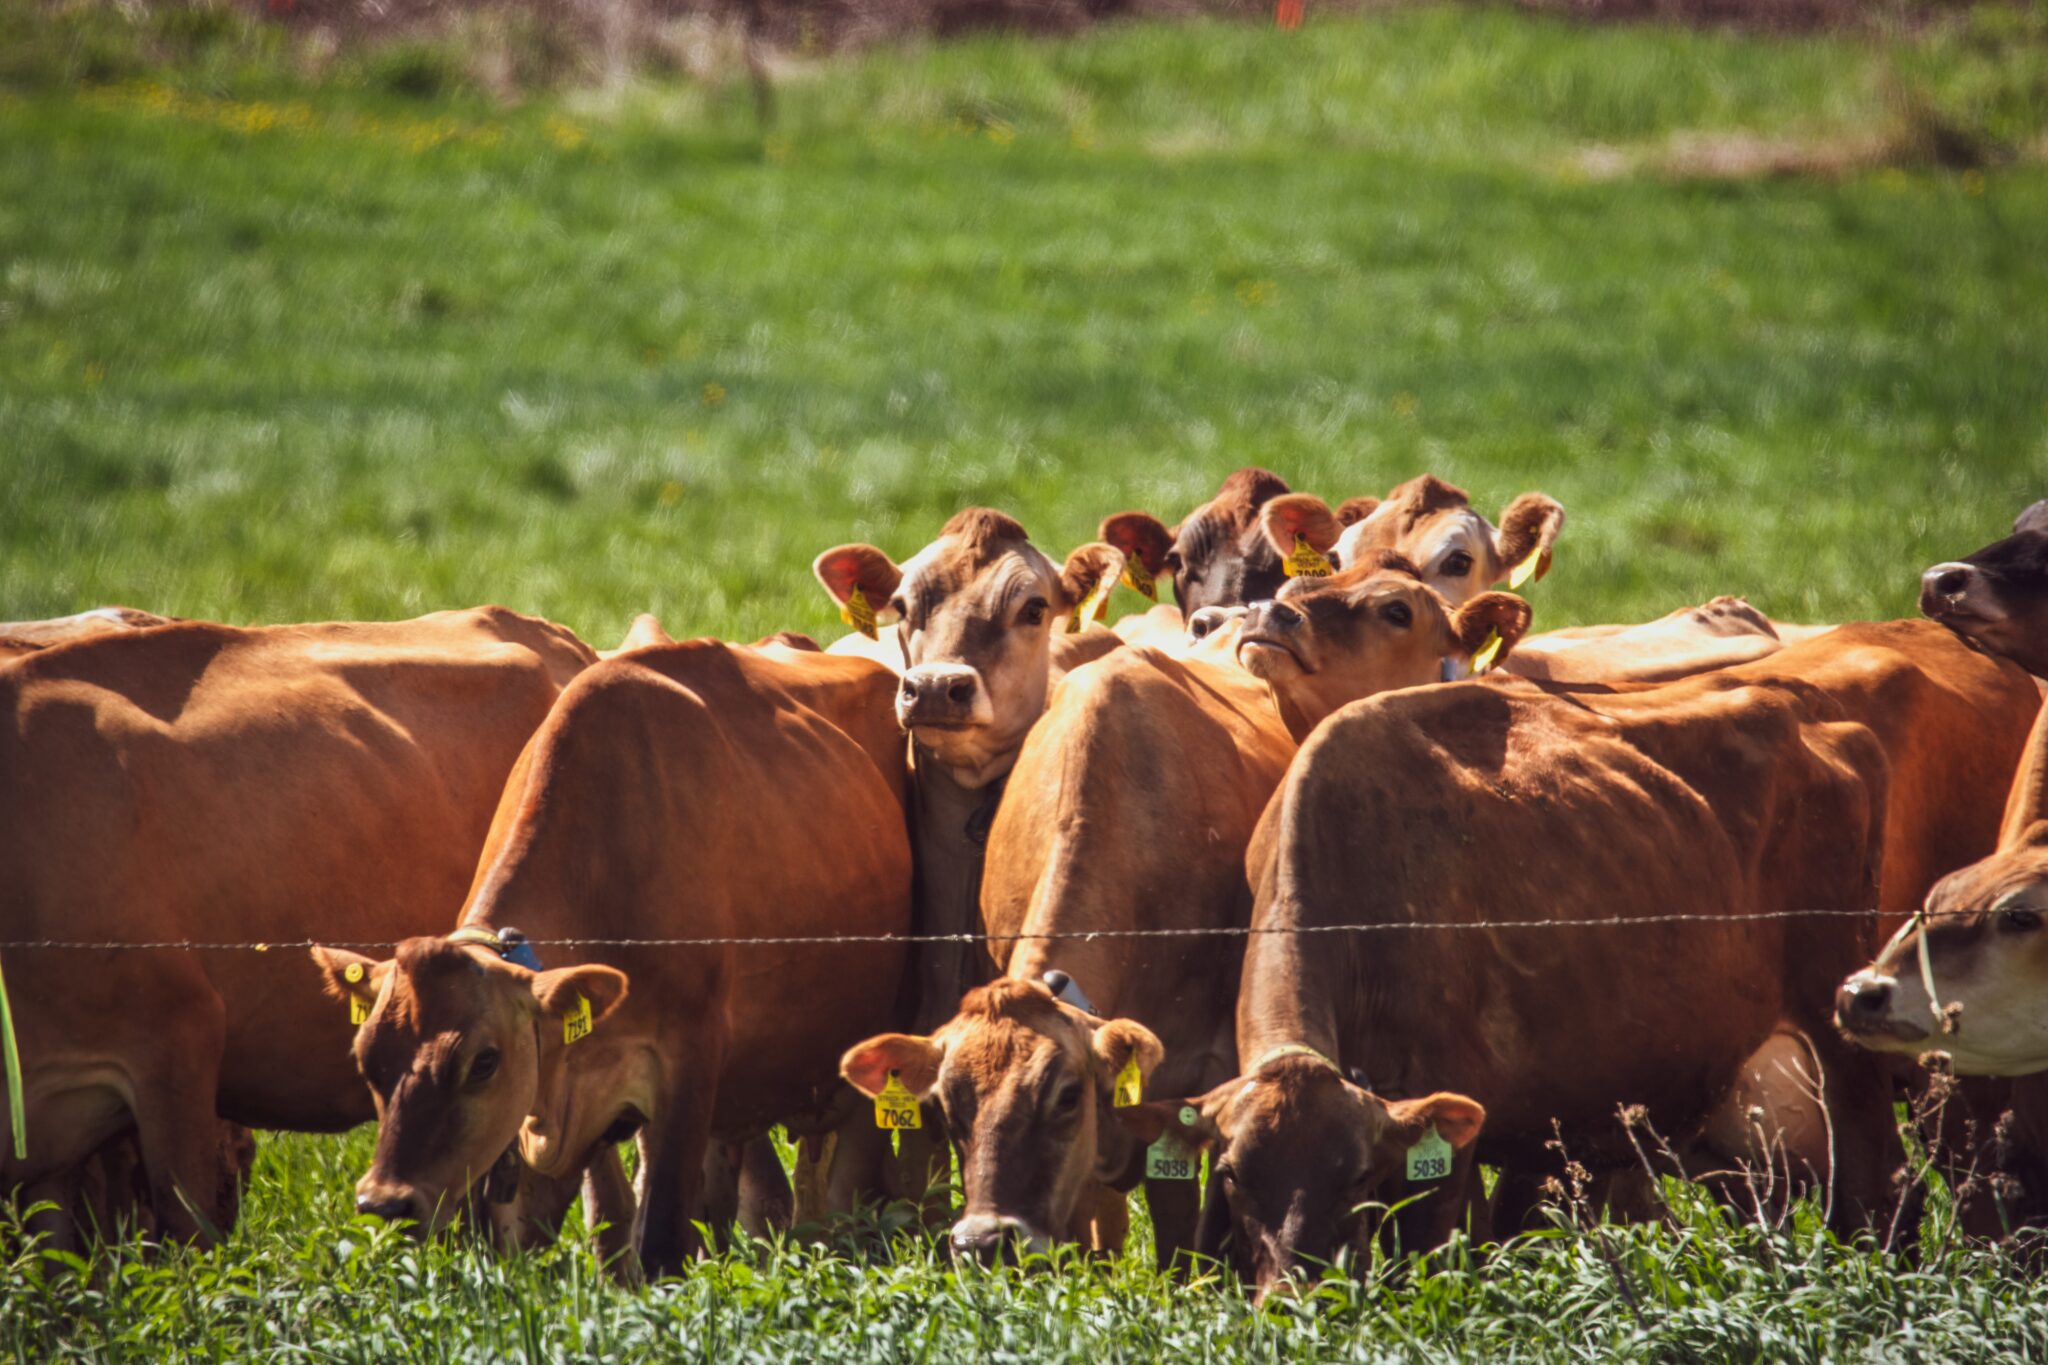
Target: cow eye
point(1398, 614)
point(1033, 613)
point(483, 1066)
point(900, 607)
point(2018, 919)
point(1067, 1100)
point(1457, 564)
point(1173, 561)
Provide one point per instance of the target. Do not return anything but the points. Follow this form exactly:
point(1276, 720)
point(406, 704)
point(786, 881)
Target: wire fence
point(1068, 935)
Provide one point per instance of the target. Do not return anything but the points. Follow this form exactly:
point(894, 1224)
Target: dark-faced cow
point(1130, 809)
point(692, 791)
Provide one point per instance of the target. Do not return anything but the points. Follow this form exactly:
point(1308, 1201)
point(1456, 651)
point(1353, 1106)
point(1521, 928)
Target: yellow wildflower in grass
point(714, 394)
point(671, 493)
point(565, 134)
point(1256, 293)
point(1973, 182)
point(1892, 179)
point(1081, 138)
point(778, 149)
point(1001, 133)
point(1405, 404)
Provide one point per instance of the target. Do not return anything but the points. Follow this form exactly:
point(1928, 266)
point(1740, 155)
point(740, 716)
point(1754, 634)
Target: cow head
point(1217, 555)
point(1432, 524)
point(1025, 1083)
point(1325, 642)
point(977, 608)
point(458, 1050)
point(1997, 598)
point(1296, 1152)
point(1986, 951)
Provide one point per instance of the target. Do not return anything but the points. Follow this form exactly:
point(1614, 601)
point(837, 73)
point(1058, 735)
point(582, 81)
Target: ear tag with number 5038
point(1429, 1159)
point(1172, 1157)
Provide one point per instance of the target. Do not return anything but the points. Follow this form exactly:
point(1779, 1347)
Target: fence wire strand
point(1073, 935)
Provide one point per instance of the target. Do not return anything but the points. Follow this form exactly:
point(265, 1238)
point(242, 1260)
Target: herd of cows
point(1295, 874)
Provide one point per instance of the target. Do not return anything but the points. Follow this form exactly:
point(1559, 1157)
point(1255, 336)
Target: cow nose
point(939, 694)
point(1274, 615)
point(1945, 581)
point(385, 1201)
point(1863, 999)
point(988, 1237)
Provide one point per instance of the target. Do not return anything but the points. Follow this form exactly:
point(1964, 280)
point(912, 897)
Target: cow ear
point(1088, 567)
point(1299, 514)
point(1457, 1120)
point(561, 991)
point(1491, 613)
point(846, 567)
point(645, 631)
point(1529, 527)
point(911, 1059)
point(1189, 1119)
point(344, 974)
point(1351, 511)
point(1141, 536)
point(1120, 1041)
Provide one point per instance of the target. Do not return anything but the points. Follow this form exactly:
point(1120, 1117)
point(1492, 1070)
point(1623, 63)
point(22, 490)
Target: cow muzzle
point(942, 697)
point(1272, 641)
point(991, 1238)
point(391, 1202)
point(1953, 591)
point(1863, 1009)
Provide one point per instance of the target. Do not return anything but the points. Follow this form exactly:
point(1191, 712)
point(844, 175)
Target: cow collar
point(508, 944)
point(1274, 1054)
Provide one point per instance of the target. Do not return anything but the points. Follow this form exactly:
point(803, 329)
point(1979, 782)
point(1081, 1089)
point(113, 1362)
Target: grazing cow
point(1130, 808)
point(1804, 781)
point(694, 790)
point(197, 782)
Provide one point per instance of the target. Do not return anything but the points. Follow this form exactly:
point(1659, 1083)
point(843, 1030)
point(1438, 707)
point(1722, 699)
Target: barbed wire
point(1074, 935)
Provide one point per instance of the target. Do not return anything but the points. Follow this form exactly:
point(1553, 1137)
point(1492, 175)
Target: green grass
point(361, 342)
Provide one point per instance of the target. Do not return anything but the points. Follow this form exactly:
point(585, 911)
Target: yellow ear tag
point(358, 1008)
point(1093, 607)
point(1138, 578)
point(577, 1024)
point(1429, 1159)
point(1488, 652)
point(1130, 1086)
point(1306, 561)
point(896, 1109)
point(858, 614)
point(1525, 570)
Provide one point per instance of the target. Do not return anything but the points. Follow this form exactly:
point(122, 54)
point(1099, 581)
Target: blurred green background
point(292, 333)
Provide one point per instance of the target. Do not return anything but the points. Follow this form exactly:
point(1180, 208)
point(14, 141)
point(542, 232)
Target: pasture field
point(287, 339)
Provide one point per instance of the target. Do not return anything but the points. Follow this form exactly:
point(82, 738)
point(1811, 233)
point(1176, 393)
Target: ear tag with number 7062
point(896, 1109)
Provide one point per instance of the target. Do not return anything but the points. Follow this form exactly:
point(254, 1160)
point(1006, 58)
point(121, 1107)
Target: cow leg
point(1102, 1219)
point(609, 1207)
point(172, 1093)
point(1176, 1206)
point(719, 1199)
point(673, 1150)
point(767, 1204)
point(1865, 1139)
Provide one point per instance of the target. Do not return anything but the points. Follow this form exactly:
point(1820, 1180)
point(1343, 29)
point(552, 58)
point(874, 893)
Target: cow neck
point(1297, 723)
point(949, 837)
point(1286, 999)
point(2027, 806)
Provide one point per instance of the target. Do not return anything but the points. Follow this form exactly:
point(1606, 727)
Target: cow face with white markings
point(975, 612)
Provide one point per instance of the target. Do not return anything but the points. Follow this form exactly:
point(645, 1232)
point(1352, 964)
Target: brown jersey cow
point(1799, 782)
point(27, 637)
point(205, 783)
point(1130, 809)
point(694, 790)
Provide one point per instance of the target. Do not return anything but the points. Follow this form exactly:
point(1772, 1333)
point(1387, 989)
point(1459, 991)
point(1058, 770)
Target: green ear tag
point(1306, 561)
point(1130, 1086)
point(576, 1025)
point(858, 614)
point(896, 1109)
point(1429, 1159)
point(1171, 1159)
point(1525, 570)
